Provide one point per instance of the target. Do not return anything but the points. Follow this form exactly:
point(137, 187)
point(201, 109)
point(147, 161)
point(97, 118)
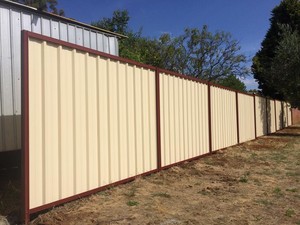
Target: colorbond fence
point(295, 116)
point(91, 120)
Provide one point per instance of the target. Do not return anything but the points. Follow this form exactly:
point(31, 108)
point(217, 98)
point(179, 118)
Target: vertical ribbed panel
point(289, 114)
point(184, 119)
point(12, 21)
point(223, 118)
point(261, 116)
point(285, 116)
point(279, 115)
point(246, 117)
point(92, 122)
point(271, 116)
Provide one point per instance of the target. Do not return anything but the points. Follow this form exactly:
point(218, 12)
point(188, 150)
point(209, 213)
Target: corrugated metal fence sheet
point(261, 116)
point(279, 115)
point(246, 117)
point(184, 124)
point(271, 116)
point(92, 122)
point(223, 118)
point(12, 21)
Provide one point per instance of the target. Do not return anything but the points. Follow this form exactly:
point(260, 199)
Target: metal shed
point(14, 18)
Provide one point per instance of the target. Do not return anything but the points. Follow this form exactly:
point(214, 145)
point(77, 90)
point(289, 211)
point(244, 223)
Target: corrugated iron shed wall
point(13, 19)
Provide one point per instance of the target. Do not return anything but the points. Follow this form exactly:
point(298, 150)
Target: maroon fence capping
point(158, 130)
point(186, 77)
point(88, 50)
point(237, 116)
point(25, 215)
point(254, 102)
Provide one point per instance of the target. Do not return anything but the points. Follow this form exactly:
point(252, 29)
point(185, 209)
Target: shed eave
point(62, 18)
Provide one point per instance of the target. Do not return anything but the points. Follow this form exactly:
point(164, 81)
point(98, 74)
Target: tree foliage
point(287, 12)
point(233, 82)
point(285, 67)
point(196, 52)
point(213, 56)
point(44, 5)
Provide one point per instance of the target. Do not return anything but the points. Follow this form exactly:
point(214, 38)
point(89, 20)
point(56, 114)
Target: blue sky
point(246, 20)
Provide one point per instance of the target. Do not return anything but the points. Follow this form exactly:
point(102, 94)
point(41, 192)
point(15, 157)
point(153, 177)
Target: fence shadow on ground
point(293, 131)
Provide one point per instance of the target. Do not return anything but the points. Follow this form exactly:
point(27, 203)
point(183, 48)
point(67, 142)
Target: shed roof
point(61, 18)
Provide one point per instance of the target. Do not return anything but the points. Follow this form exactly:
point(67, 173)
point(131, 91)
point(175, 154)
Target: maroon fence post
point(25, 130)
point(237, 116)
point(209, 117)
point(254, 101)
point(158, 131)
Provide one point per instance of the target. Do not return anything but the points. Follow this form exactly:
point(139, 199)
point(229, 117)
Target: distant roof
point(62, 18)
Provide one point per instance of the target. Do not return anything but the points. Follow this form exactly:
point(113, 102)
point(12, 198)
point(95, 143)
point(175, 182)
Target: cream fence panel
point(289, 114)
point(223, 118)
point(279, 115)
point(246, 117)
point(271, 116)
point(285, 114)
point(261, 116)
point(184, 119)
point(92, 122)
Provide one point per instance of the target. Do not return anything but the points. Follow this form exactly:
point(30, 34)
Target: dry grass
point(254, 183)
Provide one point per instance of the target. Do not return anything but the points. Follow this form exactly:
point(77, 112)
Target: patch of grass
point(161, 194)
point(264, 202)
point(257, 182)
point(298, 223)
point(258, 218)
point(293, 174)
point(203, 192)
point(9, 198)
point(277, 191)
point(253, 155)
point(130, 193)
point(243, 179)
point(132, 203)
point(291, 190)
point(289, 212)
point(278, 157)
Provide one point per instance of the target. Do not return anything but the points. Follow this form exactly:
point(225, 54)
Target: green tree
point(287, 12)
point(232, 81)
point(213, 56)
point(44, 5)
point(197, 52)
point(118, 23)
point(285, 67)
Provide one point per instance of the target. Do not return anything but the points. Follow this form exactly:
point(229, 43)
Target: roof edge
point(58, 17)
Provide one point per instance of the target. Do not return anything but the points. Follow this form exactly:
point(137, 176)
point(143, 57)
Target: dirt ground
point(257, 182)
